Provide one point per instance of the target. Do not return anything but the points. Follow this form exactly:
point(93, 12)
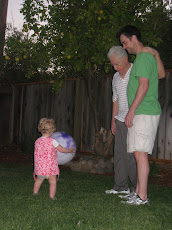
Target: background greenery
point(81, 204)
point(71, 38)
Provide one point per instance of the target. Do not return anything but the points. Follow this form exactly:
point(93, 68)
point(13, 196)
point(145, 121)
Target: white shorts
point(141, 136)
point(43, 177)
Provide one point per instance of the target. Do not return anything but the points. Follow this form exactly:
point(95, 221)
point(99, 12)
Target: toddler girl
point(45, 157)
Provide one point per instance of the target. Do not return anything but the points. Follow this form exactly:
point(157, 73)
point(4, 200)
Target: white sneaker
point(112, 191)
point(136, 201)
point(128, 196)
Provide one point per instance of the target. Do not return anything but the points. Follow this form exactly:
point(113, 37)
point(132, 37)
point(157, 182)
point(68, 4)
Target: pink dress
point(45, 157)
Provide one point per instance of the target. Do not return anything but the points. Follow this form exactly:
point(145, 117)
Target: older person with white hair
point(124, 163)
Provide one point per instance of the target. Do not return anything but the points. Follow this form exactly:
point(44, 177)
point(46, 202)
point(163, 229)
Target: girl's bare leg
point(37, 185)
point(52, 186)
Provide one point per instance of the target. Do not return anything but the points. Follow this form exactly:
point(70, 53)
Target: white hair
point(117, 51)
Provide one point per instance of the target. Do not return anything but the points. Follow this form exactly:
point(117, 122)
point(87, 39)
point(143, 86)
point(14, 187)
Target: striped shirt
point(119, 89)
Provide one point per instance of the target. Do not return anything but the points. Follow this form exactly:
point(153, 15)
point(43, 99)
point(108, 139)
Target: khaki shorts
point(141, 136)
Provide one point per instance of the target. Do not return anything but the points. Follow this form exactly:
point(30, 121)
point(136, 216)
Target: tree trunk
point(103, 141)
point(3, 17)
point(103, 137)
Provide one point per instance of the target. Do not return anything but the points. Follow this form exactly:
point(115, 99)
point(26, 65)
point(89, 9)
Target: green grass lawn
point(81, 204)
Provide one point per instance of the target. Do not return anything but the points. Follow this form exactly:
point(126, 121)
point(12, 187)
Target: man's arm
point(141, 92)
point(161, 70)
point(114, 113)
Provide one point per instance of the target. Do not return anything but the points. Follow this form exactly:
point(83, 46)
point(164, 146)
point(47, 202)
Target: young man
point(144, 112)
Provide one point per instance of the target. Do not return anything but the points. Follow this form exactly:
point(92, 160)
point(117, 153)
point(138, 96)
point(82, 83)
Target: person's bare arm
point(65, 150)
point(114, 113)
point(161, 70)
point(141, 92)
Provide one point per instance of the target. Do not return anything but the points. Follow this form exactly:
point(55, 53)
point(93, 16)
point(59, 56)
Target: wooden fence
point(163, 145)
point(70, 108)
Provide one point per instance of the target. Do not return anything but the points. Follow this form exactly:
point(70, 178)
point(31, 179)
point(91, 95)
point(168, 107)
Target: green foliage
point(56, 85)
point(74, 36)
point(165, 48)
point(24, 56)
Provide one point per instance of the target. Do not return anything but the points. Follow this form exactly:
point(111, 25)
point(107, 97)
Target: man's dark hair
point(129, 31)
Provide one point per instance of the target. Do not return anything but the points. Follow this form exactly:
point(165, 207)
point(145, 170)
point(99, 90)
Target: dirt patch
point(13, 155)
point(163, 178)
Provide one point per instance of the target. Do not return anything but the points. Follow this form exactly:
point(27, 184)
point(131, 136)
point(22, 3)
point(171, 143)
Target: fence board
point(62, 109)
point(168, 128)
point(160, 140)
point(5, 117)
point(71, 110)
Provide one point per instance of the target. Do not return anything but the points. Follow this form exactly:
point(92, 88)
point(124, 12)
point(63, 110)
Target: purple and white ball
point(66, 141)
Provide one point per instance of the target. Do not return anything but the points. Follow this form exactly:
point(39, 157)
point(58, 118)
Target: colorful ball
point(66, 141)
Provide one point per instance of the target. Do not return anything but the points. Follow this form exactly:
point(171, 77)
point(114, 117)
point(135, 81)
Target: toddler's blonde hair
point(46, 126)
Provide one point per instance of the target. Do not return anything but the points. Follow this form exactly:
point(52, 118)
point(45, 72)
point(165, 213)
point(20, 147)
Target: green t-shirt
point(145, 65)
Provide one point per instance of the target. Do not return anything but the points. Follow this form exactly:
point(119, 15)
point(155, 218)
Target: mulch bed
point(13, 155)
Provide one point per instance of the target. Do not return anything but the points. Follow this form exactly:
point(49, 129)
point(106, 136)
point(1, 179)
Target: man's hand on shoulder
point(151, 51)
